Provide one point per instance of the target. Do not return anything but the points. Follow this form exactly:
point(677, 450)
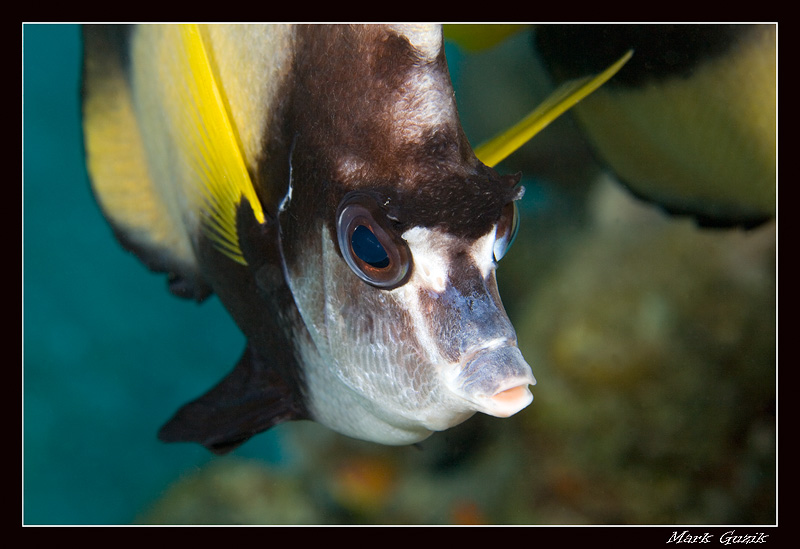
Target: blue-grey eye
point(506, 231)
point(369, 244)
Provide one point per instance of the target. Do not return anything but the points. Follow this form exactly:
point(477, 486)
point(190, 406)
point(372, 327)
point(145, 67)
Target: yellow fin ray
point(562, 99)
point(213, 148)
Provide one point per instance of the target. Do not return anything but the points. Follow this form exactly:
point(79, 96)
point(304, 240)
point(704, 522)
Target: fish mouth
point(494, 379)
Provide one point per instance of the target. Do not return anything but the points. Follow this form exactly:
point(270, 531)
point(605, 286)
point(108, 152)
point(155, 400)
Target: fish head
point(389, 232)
point(317, 180)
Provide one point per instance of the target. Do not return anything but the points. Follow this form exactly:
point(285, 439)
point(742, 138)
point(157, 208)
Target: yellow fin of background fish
point(567, 95)
point(214, 149)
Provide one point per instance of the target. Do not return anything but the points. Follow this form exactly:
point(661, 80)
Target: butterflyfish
point(316, 178)
point(690, 123)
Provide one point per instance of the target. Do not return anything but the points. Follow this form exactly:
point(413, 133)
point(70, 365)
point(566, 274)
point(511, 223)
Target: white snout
point(495, 380)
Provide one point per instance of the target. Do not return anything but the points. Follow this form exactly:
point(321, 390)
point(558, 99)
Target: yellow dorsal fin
point(213, 147)
point(562, 99)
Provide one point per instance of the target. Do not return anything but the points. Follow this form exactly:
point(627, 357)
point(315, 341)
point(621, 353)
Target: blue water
point(108, 353)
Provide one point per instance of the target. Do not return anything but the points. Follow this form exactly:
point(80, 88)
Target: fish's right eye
point(369, 246)
point(506, 231)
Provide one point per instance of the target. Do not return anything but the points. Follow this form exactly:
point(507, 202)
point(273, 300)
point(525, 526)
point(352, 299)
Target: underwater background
point(653, 343)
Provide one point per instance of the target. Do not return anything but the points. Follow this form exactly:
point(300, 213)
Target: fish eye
point(369, 245)
point(506, 231)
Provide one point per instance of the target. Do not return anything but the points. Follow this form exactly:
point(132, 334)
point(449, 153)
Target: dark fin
point(719, 219)
point(250, 400)
point(662, 51)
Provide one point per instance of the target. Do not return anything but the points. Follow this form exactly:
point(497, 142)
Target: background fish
point(690, 123)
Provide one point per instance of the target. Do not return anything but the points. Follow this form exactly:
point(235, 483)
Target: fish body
point(317, 180)
point(690, 123)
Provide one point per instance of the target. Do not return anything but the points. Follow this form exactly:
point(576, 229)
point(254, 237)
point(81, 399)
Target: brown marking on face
point(379, 109)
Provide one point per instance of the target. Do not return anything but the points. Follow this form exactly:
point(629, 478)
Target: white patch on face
point(482, 252)
point(430, 250)
point(426, 39)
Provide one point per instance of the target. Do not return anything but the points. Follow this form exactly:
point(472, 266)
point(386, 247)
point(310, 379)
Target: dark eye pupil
point(370, 245)
point(367, 248)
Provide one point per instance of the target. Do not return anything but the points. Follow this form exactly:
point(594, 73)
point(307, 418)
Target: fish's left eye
point(369, 245)
point(506, 230)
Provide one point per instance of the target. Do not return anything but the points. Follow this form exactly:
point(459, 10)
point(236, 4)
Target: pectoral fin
point(250, 400)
